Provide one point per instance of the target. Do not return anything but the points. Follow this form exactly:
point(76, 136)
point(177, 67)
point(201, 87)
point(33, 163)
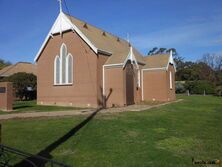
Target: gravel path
point(135, 108)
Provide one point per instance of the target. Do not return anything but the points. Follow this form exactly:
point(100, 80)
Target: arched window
point(138, 78)
point(57, 70)
point(69, 70)
point(63, 67)
point(63, 54)
point(171, 80)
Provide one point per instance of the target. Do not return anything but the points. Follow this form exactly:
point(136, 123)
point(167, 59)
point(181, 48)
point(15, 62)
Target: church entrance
point(129, 84)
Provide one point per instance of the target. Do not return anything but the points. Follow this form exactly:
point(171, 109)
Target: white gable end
point(171, 61)
point(61, 24)
point(131, 57)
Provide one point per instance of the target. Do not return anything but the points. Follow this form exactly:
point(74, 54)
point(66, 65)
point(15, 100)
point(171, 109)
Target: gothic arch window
point(171, 80)
point(63, 54)
point(69, 62)
point(57, 70)
point(63, 67)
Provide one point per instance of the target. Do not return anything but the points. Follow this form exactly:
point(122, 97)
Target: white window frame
point(55, 70)
point(67, 69)
point(138, 79)
point(61, 67)
point(171, 81)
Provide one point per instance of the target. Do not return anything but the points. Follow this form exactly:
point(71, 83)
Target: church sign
point(2, 90)
point(6, 96)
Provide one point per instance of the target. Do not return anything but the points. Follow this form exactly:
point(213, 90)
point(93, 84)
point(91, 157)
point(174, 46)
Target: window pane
point(171, 81)
point(63, 57)
point(70, 69)
point(57, 70)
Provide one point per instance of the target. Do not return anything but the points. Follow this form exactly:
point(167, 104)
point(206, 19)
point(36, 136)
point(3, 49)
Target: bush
point(219, 91)
point(180, 88)
point(25, 85)
point(198, 87)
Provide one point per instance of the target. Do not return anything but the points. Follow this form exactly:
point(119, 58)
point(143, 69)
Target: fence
point(13, 157)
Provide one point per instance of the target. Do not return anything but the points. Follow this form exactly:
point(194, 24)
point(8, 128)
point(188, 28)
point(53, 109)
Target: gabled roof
point(99, 40)
point(160, 61)
point(18, 67)
point(105, 41)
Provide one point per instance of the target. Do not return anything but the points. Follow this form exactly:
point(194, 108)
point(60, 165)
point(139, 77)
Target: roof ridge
point(23, 62)
point(161, 54)
point(9, 68)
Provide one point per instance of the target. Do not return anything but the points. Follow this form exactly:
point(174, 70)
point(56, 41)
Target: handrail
point(7, 149)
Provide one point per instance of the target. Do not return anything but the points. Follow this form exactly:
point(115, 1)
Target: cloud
point(218, 41)
point(194, 32)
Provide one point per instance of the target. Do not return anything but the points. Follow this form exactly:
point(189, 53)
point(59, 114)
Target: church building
point(82, 65)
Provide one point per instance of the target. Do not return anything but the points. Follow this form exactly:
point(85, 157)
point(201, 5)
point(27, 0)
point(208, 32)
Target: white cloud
point(196, 33)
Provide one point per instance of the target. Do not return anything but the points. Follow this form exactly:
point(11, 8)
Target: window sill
point(70, 84)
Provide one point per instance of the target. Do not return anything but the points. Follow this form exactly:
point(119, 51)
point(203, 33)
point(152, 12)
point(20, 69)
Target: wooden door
point(129, 84)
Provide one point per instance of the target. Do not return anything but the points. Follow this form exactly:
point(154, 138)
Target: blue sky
point(193, 27)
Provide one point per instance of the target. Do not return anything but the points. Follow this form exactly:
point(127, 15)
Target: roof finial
point(171, 52)
point(60, 5)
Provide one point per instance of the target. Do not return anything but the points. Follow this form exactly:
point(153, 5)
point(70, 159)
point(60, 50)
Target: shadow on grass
point(46, 151)
point(21, 107)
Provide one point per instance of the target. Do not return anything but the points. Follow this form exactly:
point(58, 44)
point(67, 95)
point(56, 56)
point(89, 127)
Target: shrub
point(219, 91)
point(25, 85)
point(180, 88)
point(198, 87)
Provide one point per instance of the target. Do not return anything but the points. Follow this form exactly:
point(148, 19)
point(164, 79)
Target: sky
point(193, 27)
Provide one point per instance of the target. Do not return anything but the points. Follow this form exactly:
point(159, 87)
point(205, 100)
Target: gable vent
point(104, 33)
point(118, 39)
point(85, 25)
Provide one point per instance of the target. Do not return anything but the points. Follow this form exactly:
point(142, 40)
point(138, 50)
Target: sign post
point(6, 96)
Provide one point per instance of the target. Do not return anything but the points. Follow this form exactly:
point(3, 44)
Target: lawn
point(168, 136)
point(31, 106)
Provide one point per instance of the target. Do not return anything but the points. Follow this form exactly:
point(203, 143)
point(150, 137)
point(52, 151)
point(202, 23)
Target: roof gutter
point(153, 69)
point(104, 52)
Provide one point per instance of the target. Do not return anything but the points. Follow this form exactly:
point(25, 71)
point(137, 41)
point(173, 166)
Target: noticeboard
point(2, 90)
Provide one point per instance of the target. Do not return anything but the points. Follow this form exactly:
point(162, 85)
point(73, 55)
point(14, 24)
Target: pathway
point(135, 108)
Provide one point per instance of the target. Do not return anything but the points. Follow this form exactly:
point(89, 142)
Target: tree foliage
point(203, 75)
point(4, 63)
point(200, 87)
point(25, 85)
point(177, 58)
point(212, 60)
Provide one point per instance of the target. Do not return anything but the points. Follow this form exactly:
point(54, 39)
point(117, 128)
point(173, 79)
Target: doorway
point(129, 84)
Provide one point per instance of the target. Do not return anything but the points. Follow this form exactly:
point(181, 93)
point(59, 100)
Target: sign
point(2, 90)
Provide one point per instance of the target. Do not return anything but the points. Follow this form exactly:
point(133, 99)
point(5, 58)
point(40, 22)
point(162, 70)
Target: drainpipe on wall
point(142, 85)
point(104, 92)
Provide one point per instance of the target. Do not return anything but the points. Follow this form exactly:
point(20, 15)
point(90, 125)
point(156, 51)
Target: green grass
point(168, 136)
point(31, 106)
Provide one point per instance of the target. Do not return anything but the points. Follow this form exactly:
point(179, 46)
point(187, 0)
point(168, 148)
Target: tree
point(177, 58)
point(191, 71)
point(152, 51)
point(219, 77)
point(25, 85)
point(4, 63)
point(213, 60)
point(200, 87)
point(161, 51)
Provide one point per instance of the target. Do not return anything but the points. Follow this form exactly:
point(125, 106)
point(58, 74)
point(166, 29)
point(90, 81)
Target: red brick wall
point(156, 85)
point(6, 99)
point(83, 91)
point(114, 80)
